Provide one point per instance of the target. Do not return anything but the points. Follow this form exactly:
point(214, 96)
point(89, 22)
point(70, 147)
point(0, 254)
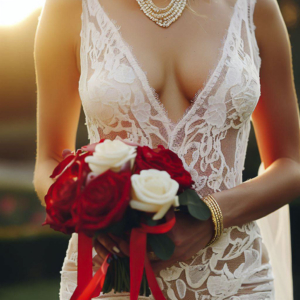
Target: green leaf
point(183, 197)
point(162, 245)
point(196, 207)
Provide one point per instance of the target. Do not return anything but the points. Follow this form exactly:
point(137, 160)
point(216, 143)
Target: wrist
point(211, 230)
point(225, 209)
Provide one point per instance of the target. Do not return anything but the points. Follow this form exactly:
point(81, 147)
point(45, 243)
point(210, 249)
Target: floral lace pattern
point(211, 139)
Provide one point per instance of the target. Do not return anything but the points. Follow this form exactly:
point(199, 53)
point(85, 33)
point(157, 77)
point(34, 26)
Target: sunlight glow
point(14, 11)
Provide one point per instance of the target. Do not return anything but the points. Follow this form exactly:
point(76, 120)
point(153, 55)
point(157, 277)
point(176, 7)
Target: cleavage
point(179, 59)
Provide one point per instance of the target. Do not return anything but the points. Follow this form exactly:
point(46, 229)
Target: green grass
point(31, 290)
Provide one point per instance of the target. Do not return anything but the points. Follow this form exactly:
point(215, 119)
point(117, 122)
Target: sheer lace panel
point(211, 139)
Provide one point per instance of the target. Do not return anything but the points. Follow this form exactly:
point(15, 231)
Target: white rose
point(154, 191)
point(111, 155)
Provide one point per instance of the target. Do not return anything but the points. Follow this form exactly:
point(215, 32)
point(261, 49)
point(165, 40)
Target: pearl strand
point(165, 16)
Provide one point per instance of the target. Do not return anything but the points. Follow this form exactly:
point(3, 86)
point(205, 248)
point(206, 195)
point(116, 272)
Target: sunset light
point(14, 11)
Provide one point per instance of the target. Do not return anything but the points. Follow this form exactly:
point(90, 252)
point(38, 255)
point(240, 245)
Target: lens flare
point(14, 11)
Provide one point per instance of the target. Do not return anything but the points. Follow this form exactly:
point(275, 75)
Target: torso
point(177, 59)
point(211, 141)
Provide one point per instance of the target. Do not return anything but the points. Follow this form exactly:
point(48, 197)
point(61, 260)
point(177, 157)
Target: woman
point(191, 86)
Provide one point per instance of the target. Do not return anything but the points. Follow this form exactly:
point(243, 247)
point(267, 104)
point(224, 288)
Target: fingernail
point(116, 249)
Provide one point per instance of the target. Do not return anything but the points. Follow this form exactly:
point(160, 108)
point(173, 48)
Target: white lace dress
point(211, 139)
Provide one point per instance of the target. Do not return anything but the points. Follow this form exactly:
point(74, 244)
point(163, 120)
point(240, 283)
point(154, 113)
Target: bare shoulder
point(273, 41)
point(268, 20)
point(62, 10)
point(60, 19)
point(276, 116)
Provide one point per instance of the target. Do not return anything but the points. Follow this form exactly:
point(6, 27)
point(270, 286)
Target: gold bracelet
point(217, 226)
point(219, 212)
point(217, 216)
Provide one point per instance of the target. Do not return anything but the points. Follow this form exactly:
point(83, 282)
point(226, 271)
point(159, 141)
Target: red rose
point(163, 159)
point(62, 164)
point(103, 202)
point(59, 199)
point(71, 175)
point(69, 159)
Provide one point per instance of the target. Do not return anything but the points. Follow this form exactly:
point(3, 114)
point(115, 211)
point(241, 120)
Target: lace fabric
point(211, 139)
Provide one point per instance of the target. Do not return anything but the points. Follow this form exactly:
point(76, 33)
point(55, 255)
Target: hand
point(106, 243)
point(189, 235)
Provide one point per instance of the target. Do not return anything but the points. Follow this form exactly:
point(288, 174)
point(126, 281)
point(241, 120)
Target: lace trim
point(235, 267)
point(211, 79)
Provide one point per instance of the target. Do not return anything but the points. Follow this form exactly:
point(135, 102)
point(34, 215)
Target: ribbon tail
point(153, 285)
point(85, 264)
point(137, 251)
point(96, 282)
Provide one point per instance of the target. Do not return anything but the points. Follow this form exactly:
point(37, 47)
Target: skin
point(173, 70)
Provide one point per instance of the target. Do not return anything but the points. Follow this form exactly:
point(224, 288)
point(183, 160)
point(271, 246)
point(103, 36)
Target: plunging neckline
point(153, 96)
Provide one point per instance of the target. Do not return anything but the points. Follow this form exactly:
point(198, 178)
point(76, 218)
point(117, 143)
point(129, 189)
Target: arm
point(59, 102)
point(276, 125)
point(57, 75)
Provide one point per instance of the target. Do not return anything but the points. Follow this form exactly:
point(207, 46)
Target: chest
point(197, 77)
point(179, 59)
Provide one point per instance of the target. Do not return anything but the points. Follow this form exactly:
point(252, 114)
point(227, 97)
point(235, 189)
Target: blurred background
point(31, 255)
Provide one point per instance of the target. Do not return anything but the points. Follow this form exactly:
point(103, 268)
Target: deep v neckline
point(153, 96)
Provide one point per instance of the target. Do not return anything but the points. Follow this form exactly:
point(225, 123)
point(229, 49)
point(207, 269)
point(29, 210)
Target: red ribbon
point(96, 284)
point(139, 259)
point(88, 286)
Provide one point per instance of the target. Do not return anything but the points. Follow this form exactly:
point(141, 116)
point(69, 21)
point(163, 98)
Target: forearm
point(260, 196)
point(42, 180)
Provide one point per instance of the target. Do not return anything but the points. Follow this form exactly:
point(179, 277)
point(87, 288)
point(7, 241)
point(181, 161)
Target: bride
point(193, 83)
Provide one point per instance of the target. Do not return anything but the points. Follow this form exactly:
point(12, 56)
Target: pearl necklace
point(165, 16)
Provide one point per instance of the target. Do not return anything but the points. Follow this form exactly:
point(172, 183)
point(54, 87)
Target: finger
point(117, 239)
point(124, 246)
point(122, 243)
point(95, 268)
point(97, 260)
point(100, 249)
point(109, 244)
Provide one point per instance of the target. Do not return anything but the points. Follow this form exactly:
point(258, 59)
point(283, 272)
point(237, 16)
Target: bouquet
point(126, 189)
